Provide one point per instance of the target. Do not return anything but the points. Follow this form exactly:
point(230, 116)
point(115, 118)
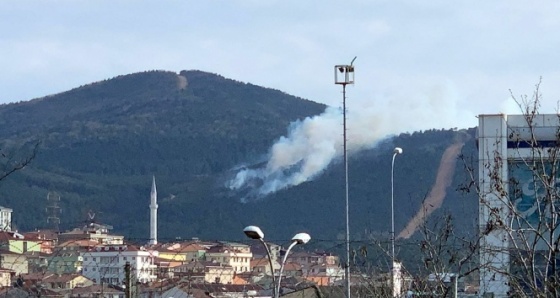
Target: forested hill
point(100, 144)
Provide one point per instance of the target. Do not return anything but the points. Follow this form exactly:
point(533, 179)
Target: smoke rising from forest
point(313, 143)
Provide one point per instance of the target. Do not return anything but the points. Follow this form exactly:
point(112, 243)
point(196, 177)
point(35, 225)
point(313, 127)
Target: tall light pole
point(344, 75)
point(255, 232)
point(396, 151)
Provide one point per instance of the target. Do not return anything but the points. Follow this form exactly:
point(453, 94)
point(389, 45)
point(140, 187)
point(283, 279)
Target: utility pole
point(127, 281)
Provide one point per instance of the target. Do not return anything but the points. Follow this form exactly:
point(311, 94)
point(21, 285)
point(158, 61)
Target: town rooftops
point(223, 248)
point(260, 262)
point(201, 265)
point(38, 276)
point(192, 247)
point(292, 266)
point(223, 288)
point(8, 235)
point(180, 247)
point(41, 235)
point(58, 278)
point(96, 289)
point(119, 248)
point(85, 243)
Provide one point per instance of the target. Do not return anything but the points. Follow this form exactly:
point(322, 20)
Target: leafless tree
point(518, 204)
point(15, 159)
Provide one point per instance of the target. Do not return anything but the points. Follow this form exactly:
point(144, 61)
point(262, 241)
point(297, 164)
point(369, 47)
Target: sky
point(458, 58)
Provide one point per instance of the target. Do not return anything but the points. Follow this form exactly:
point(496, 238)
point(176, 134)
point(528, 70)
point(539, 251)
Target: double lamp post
point(255, 232)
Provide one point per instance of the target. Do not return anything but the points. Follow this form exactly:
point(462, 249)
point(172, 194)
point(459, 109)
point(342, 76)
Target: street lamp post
point(396, 151)
point(255, 232)
point(300, 238)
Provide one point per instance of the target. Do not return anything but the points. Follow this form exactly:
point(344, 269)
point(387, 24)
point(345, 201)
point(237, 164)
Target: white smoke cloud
point(315, 142)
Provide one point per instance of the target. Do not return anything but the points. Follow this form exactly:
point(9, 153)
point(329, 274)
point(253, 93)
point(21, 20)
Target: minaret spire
point(153, 212)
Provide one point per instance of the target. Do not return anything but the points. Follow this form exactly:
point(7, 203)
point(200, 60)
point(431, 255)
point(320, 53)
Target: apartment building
point(236, 255)
point(106, 264)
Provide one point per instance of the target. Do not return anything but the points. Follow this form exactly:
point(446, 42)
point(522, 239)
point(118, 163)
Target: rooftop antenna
point(344, 75)
point(91, 216)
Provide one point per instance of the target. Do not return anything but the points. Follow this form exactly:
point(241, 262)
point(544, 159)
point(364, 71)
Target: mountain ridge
point(103, 142)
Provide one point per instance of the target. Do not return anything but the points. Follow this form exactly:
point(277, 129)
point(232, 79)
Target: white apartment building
point(236, 255)
point(106, 264)
point(506, 148)
point(5, 219)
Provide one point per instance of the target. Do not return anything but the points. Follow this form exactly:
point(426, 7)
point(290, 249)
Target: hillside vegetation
point(100, 144)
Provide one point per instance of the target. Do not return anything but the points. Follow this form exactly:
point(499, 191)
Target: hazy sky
point(464, 55)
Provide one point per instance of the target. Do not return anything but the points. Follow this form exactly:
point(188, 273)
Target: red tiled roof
point(5, 235)
point(36, 276)
point(79, 243)
point(290, 266)
point(41, 235)
point(160, 284)
point(96, 288)
point(191, 247)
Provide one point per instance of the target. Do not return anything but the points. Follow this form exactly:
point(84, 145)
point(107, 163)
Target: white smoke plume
point(313, 143)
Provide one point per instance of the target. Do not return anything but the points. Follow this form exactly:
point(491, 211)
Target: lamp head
point(301, 238)
point(397, 150)
point(253, 232)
